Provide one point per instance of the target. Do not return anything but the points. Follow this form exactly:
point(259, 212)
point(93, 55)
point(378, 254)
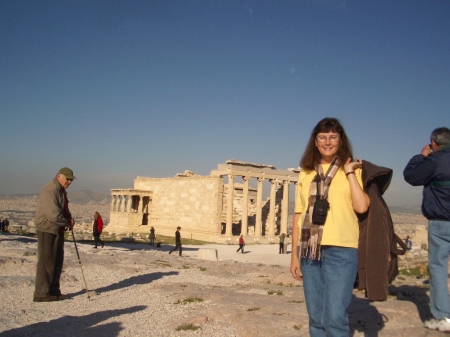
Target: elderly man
point(431, 169)
point(52, 217)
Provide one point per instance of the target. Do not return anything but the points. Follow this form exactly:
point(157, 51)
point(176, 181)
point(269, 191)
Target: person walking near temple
point(241, 244)
point(431, 169)
point(152, 236)
point(97, 229)
point(177, 242)
point(52, 217)
point(282, 237)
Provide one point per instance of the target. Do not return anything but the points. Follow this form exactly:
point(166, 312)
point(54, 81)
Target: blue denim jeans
point(328, 286)
point(438, 253)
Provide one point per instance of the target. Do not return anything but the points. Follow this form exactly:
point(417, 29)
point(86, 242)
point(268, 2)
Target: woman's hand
point(360, 199)
point(295, 263)
point(351, 166)
point(295, 269)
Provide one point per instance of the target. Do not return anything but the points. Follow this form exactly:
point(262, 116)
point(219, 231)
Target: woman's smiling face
point(328, 144)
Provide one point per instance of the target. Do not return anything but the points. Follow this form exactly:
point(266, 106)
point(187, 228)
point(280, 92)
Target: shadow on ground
point(76, 325)
point(365, 318)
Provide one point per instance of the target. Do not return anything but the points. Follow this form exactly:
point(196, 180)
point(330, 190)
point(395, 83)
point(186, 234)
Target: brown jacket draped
point(377, 247)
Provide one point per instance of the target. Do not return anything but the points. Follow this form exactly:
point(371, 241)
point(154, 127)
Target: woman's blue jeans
point(438, 252)
point(328, 286)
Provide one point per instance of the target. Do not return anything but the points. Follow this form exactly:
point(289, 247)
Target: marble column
point(138, 204)
point(259, 193)
point(129, 202)
point(285, 208)
point(230, 195)
point(244, 221)
point(113, 202)
point(273, 185)
point(122, 203)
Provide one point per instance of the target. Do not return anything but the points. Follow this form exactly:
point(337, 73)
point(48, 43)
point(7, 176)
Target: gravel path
point(147, 292)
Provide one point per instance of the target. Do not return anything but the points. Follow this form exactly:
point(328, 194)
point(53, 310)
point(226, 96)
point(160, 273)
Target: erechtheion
point(202, 206)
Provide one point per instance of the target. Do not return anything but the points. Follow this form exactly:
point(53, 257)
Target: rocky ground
point(138, 290)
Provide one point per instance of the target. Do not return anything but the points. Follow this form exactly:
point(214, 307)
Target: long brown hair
point(97, 215)
point(312, 156)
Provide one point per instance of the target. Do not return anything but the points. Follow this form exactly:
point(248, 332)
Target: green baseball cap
point(67, 172)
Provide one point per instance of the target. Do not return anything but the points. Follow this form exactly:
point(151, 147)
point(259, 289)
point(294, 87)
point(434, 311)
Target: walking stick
point(79, 261)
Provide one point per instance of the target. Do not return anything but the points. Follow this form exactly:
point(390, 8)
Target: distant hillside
point(410, 209)
point(77, 197)
point(85, 197)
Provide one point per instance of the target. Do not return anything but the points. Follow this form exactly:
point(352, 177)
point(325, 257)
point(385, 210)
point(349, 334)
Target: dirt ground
point(138, 290)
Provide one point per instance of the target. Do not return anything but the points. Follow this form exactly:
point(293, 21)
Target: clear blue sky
point(119, 89)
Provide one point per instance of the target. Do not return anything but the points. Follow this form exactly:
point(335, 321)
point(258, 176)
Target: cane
point(79, 261)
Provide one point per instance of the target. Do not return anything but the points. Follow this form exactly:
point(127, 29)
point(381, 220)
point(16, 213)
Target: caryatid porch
point(130, 207)
point(279, 179)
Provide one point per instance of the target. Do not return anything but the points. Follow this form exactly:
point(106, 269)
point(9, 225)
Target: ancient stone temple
point(203, 206)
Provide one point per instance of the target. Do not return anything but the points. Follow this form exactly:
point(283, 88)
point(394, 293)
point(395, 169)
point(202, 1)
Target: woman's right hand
point(295, 269)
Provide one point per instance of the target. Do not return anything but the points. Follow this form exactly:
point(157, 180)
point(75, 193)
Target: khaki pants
point(50, 254)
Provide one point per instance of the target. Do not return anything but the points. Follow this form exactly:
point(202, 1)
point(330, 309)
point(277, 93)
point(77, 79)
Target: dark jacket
point(433, 173)
point(377, 246)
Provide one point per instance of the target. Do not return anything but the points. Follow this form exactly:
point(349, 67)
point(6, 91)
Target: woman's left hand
point(350, 165)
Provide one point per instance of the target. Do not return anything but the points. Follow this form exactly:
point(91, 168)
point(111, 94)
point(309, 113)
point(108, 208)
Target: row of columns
point(127, 203)
point(259, 196)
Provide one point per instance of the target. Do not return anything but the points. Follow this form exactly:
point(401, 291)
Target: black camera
point(320, 211)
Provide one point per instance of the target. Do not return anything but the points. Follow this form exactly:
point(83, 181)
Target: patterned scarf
point(311, 234)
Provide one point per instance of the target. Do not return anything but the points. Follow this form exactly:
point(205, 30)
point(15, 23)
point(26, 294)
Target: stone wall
point(194, 203)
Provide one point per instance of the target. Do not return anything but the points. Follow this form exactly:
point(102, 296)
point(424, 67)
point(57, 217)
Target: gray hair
point(441, 136)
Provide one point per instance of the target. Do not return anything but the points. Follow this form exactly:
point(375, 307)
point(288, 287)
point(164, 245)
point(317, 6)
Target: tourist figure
point(5, 225)
point(177, 241)
point(286, 243)
point(97, 229)
point(241, 244)
point(282, 238)
point(408, 242)
point(52, 217)
point(431, 169)
point(1, 224)
point(152, 236)
point(328, 253)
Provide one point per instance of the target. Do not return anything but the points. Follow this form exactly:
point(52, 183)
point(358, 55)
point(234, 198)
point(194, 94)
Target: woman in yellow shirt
point(328, 255)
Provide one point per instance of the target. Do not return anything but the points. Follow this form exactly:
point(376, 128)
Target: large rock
point(209, 254)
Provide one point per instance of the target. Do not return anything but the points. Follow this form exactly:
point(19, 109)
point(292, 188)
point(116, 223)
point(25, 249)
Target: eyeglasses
point(323, 139)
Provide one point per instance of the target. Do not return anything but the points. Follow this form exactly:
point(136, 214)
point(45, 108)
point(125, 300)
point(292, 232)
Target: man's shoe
point(45, 299)
point(103, 245)
point(63, 297)
point(442, 325)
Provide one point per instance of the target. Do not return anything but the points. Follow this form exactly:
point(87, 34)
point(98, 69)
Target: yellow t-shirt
point(341, 227)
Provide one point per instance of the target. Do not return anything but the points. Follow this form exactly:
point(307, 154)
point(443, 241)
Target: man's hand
point(426, 150)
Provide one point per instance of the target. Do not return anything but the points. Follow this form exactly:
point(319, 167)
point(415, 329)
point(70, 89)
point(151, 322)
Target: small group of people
point(330, 195)
point(4, 225)
point(284, 242)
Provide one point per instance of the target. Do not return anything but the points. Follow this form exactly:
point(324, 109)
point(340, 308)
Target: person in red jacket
point(97, 229)
point(241, 244)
